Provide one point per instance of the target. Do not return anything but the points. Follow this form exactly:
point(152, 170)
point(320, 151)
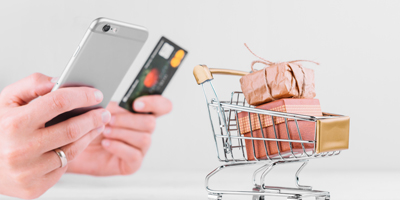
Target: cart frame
point(231, 146)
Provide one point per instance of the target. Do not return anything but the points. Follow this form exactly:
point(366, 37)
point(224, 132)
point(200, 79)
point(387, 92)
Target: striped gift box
point(297, 106)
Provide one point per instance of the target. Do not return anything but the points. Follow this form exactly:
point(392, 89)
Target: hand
point(28, 164)
point(125, 140)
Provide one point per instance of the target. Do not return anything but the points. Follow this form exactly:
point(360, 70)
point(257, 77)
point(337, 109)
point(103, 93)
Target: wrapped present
point(277, 81)
point(262, 127)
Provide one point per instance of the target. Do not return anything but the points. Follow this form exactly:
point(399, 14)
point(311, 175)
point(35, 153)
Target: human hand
point(125, 140)
point(28, 164)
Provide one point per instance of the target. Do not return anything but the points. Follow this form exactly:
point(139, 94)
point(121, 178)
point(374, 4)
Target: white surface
point(177, 185)
point(356, 42)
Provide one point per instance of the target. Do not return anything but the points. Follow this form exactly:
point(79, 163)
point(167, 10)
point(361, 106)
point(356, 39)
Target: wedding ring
point(62, 157)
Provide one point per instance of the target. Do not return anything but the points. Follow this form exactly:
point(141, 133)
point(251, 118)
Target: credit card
point(156, 73)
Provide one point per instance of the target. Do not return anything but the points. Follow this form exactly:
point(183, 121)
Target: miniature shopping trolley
point(330, 135)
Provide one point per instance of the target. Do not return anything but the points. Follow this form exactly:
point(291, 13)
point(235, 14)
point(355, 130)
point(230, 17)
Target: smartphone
point(101, 60)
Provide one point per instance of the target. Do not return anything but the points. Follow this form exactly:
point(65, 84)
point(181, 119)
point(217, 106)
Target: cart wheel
point(215, 197)
point(257, 197)
point(297, 197)
point(328, 197)
point(323, 198)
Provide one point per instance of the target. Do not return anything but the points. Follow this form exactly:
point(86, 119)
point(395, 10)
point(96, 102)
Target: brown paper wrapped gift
point(307, 129)
point(277, 81)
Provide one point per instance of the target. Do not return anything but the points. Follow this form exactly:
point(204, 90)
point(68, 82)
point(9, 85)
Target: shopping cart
point(330, 136)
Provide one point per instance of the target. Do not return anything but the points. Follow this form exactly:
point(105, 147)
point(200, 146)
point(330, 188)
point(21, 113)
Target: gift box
point(277, 81)
point(262, 127)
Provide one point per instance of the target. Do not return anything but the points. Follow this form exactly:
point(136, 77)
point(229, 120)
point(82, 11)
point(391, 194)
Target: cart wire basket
point(331, 135)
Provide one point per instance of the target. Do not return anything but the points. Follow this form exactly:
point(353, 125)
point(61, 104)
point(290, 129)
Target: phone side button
point(77, 51)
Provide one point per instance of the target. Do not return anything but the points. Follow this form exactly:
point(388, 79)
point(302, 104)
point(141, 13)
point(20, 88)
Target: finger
point(114, 108)
point(131, 156)
point(62, 100)
point(27, 89)
point(138, 122)
point(52, 161)
point(139, 140)
point(156, 104)
point(70, 130)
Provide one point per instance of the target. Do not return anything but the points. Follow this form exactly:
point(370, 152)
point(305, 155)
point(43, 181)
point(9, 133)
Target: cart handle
point(202, 73)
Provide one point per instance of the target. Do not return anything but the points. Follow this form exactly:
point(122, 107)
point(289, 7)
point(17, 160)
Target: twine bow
point(269, 63)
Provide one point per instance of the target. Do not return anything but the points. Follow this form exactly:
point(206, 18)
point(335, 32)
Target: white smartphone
point(101, 60)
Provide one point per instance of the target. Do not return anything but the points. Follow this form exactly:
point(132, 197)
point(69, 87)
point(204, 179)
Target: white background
point(357, 44)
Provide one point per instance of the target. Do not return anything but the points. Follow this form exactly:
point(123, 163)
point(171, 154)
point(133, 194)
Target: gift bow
point(269, 63)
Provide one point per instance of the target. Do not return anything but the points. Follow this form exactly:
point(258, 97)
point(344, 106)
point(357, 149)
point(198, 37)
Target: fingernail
point(105, 143)
point(54, 79)
point(99, 95)
point(138, 105)
point(112, 120)
point(106, 116)
point(100, 129)
point(107, 131)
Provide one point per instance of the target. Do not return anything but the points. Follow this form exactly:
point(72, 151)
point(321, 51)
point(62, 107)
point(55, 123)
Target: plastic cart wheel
point(214, 197)
point(257, 197)
point(297, 197)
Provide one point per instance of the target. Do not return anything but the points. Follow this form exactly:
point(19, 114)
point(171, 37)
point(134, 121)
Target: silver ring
point(62, 157)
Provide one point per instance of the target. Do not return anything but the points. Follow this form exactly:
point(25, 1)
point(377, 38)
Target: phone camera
point(106, 28)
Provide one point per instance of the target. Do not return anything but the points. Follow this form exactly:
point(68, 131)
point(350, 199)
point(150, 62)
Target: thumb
point(25, 90)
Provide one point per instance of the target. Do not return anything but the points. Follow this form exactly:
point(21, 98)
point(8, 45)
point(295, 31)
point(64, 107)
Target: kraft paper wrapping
point(278, 80)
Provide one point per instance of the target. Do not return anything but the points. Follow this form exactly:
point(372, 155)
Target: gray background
point(357, 44)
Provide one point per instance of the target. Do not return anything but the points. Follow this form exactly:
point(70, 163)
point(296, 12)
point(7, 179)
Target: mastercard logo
point(176, 60)
point(151, 78)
